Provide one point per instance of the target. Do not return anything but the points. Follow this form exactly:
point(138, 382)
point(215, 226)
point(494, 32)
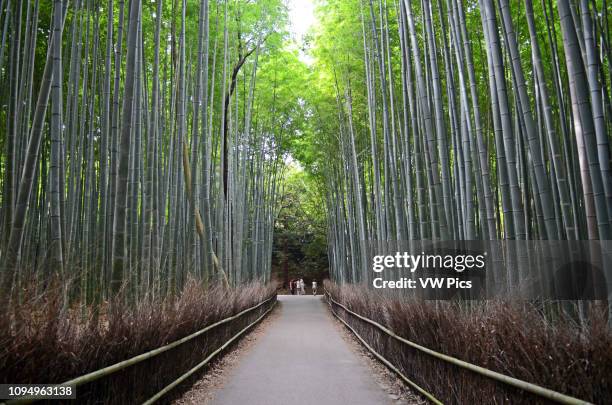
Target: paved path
point(300, 359)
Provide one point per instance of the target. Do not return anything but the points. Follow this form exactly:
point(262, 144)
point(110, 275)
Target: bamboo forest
point(167, 166)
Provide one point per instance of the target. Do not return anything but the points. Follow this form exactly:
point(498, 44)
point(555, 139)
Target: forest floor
point(300, 355)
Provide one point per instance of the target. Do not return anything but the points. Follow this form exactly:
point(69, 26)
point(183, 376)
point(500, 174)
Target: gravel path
point(301, 359)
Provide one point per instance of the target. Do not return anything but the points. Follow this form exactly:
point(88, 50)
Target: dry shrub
point(48, 345)
point(507, 337)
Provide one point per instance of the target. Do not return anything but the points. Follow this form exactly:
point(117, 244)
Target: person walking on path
point(314, 287)
point(302, 286)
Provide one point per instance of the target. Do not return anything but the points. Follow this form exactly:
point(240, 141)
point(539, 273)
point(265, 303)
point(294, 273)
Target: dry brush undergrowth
point(510, 338)
point(48, 345)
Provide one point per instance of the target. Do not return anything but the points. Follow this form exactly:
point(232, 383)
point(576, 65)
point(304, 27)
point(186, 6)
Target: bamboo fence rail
point(103, 372)
point(514, 382)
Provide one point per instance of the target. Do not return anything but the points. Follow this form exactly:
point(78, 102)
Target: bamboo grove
point(462, 120)
point(137, 147)
point(146, 142)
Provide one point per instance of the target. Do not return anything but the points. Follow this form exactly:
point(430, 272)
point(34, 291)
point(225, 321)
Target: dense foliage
point(300, 245)
point(142, 142)
point(459, 120)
